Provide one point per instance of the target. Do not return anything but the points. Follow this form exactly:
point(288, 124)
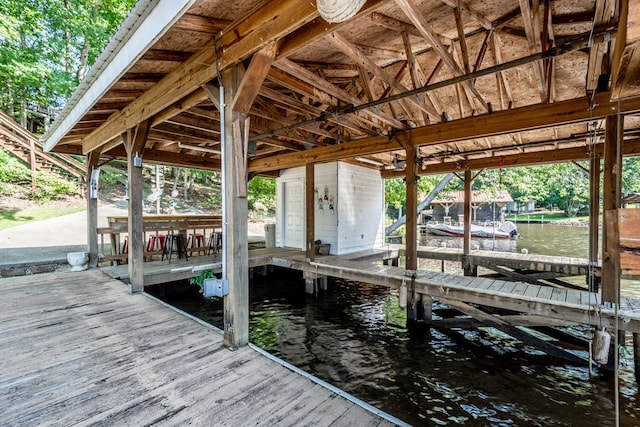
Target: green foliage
point(12, 170)
point(15, 173)
point(199, 279)
point(46, 46)
point(261, 196)
point(111, 179)
point(50, 187)
point(630, 174)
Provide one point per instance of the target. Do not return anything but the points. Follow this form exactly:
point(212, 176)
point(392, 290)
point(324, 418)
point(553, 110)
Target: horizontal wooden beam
point(486, 125)
point(167, 158)
point(630, 148)
point(264, 25)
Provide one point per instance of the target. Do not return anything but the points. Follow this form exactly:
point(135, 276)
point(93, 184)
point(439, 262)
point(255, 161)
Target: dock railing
point(198, 232)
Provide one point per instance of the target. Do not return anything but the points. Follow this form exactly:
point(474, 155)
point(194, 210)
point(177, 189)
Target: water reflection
point(353, 336)
point(558, 240)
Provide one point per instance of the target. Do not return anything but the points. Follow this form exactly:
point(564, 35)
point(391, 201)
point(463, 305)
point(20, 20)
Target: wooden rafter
point(263, 26)
point(464, 7)
point(631, 148)
point(502, 81)
point(548, 40)
point(253, 78)
point(531, 21)
point(464, 51)
point(354, 53)
point(416, 17)
point(417, 76)
point(604, 14)
point(331, 90)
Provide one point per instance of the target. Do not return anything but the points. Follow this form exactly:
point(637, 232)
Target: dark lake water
point(353, 336)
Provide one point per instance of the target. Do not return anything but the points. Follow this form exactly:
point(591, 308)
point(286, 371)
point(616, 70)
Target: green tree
point(261, 196)
point(46, 47)
point(631, 175)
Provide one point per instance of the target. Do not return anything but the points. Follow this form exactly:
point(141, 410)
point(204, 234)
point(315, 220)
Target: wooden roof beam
point(604, 14)
point(358, 57)
point(630, 148)
point(308, 90)
point(253, 78)
point(530, 19)
point(498, 123)
point(464, 7)
point(417, 75)
point(626, 56)
point(265, 24)
point(332, 90)
point(503, 82)
point(416, 17)
point(462, 39)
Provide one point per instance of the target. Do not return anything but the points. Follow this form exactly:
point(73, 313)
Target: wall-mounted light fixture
point(198, 148)
point(370, 161)
point(137, 161)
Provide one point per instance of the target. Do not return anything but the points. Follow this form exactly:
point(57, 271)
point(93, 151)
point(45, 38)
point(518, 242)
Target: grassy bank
point(11, 218)
point(545, 217)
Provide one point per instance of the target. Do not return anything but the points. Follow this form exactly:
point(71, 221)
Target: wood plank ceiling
point(471, 83)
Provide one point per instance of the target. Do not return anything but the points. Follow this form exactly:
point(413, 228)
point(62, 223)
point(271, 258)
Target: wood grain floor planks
point(76, 348)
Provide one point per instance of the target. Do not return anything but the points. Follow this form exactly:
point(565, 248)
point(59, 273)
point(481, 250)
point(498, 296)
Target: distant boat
point(505, 230)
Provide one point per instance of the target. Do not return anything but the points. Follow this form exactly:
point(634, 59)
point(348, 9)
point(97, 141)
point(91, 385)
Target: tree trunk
point(185, 184)
point(176, 176)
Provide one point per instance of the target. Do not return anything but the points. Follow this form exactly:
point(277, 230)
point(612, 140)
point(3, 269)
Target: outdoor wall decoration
point(326, 202)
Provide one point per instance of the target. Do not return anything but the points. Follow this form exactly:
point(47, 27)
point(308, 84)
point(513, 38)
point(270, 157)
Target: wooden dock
point(546, 304)
point(76, 348)
point(156, 272)
point(517, 261)
point(538, 304)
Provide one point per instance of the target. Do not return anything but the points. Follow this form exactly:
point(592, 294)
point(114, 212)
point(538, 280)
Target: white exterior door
point(294, 214)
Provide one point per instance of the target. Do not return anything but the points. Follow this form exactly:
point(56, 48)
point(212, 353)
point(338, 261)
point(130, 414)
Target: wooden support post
point(322, 282)
point(92, 209)
point(236, 303)
point(467, 266)
point(593, 281)
point(612, 181)
point(310, 211)
point(309, 282)
point(411, 253)
point(636, 356)
point(134, 142)
point(466, 248)
point(427, 308)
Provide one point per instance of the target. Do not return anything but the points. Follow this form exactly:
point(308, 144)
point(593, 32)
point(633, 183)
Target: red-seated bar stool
point(196, 241)
point(152, 245)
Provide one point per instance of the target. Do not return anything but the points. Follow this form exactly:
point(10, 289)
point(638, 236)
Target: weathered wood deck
point(156, 272)
point(566, 305)
point(560, 306)
point(517, 261)
point(76, 348)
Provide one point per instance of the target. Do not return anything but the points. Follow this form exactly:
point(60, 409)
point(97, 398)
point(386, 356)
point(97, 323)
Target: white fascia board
point(146, 23)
